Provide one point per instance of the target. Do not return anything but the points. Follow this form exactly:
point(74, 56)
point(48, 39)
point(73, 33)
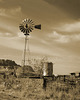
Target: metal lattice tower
point(26, 52)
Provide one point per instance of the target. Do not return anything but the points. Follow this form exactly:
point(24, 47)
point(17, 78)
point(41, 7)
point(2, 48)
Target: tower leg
point(24, 60)
point(26, 52)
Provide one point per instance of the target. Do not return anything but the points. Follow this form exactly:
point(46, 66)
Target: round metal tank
point(47, 68)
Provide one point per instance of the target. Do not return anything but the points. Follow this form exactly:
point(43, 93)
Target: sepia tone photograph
point(39, 49)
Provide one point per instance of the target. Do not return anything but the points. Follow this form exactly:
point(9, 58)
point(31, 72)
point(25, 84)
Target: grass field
point(32, 89)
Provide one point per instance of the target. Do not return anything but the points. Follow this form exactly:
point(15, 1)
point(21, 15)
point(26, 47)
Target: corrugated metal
point(47, 69)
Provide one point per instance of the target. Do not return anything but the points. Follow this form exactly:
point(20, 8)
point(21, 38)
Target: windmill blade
point(30, 30)
point(23, 31)
point(27, 21)
point(26, 31)
point(24, 21)
point(21, 26)
point(30, 20)
point(38, 26)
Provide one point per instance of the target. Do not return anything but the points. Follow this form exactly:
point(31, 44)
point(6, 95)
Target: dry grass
point(32, 89)
point(61, 91)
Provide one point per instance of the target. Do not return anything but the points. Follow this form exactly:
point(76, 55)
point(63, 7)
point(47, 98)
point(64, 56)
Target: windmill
point(26, 27)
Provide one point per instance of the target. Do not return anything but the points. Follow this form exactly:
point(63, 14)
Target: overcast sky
point(59, 38)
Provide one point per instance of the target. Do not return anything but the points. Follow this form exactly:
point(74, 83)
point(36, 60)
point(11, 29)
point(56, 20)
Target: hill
point(10, 67)
point(7, 62)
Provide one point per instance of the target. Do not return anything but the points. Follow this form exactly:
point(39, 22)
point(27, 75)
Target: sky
point(58, 39)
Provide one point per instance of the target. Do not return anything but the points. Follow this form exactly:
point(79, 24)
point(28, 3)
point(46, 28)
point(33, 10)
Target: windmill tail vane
point(38, 26)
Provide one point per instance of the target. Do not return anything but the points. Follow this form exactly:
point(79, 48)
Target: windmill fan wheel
point(27, 26)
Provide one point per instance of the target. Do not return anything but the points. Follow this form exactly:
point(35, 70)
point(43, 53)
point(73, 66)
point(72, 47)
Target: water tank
point(47, 68)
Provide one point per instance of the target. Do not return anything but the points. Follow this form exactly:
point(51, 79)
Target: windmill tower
point(26, 27)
